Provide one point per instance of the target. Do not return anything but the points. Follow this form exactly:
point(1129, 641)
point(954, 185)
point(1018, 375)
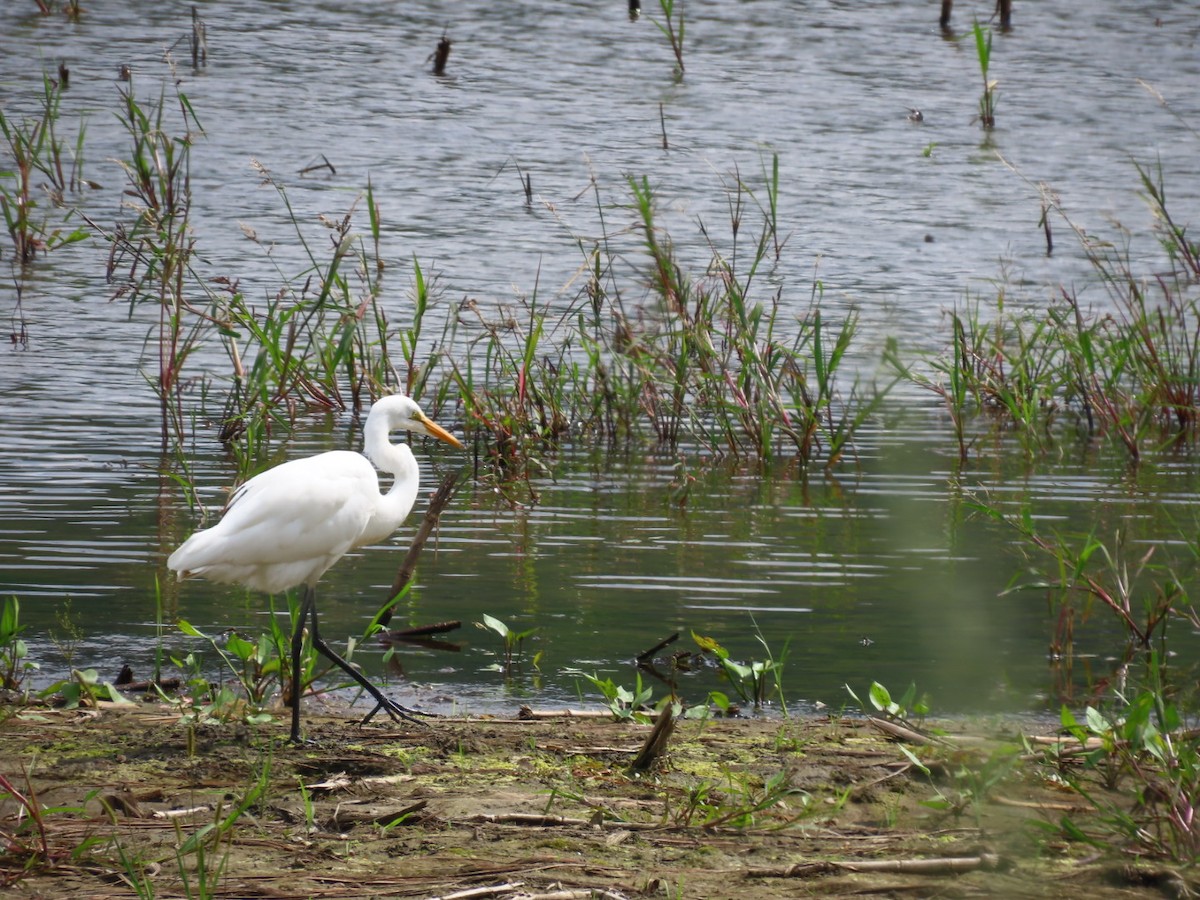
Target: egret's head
point(403, 414)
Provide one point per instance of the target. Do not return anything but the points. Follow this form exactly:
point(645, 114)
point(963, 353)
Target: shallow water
point(879, 572)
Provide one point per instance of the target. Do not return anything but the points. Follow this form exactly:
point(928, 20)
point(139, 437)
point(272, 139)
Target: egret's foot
point(397, 712)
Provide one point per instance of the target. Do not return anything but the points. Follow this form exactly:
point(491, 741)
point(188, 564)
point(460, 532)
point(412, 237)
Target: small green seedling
point(513, 641)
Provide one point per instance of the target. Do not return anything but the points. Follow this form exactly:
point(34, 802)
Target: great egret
point(288, 525)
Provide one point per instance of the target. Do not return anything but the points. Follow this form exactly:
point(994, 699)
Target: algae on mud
point(824, 806)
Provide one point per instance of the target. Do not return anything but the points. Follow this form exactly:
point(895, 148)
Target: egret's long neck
point(398, 461)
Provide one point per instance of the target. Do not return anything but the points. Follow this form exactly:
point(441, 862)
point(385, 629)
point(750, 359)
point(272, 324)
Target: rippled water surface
point(879, 571)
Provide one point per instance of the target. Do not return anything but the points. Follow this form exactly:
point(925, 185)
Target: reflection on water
point(878, 571)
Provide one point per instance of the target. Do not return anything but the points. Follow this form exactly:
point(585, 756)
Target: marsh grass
point(715, 359)
point(1135, 754)
point(318, 344)
point(646, 351)
point(1142, 747)
point(673, 29)
point(1125, 375)
point(650, 353)
point(150, 257)
point(422, 354)
point(513, 388)
point(42, 169)
point(1126, 372)
point(15, 662)
point(1088, 573)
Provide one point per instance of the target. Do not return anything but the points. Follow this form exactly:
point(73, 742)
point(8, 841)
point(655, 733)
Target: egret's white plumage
point(288, 525)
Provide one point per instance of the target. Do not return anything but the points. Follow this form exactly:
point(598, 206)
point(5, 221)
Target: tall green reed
point(673, 30)
point(1136, 762)
point(987, 99)
point(741, 376)
point(319, 343)
point(647, 350)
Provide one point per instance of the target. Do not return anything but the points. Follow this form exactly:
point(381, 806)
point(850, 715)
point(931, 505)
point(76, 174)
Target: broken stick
point(404, 574)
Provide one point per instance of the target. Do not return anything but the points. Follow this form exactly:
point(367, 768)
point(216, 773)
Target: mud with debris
point(141, 803)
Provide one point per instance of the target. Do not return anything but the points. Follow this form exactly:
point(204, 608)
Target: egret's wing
point(287, 525)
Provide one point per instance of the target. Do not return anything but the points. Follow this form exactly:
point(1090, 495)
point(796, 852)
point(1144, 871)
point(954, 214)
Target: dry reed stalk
point(404, 574)
point(947, 9)
point(440, 55)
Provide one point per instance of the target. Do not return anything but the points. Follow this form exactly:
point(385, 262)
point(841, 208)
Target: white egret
point(286, 526)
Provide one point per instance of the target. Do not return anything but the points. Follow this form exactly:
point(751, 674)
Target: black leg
point(393, 709)
point(308, 603)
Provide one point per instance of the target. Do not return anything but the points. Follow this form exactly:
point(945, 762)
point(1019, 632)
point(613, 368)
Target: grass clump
point(1142, 749)
point(650, 353)
point(1126, 373)
point(645, 352)
point(150, 259)
point(320, 343)
point(672, 28)
point(1130, 749)
point(35, 167)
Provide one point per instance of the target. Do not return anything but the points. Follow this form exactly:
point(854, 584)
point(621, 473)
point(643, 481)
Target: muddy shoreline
point(142, 803)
